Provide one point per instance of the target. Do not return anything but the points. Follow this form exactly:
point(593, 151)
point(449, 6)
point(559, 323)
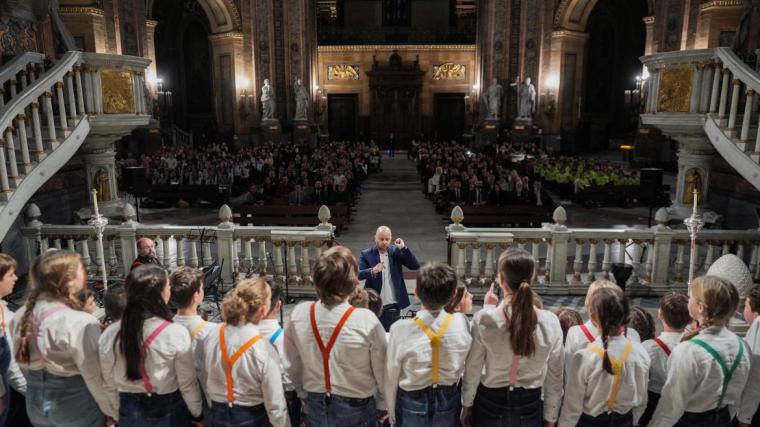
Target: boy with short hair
point(674, 315)
point(420, 384)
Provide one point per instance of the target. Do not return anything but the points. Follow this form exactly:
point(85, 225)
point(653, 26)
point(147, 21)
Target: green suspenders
point(727, 373)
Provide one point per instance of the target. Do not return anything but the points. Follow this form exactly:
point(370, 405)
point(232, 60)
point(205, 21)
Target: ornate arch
point(223, 15)
point(573, 14)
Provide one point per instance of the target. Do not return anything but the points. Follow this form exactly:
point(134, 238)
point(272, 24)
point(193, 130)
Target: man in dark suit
point(381, 266)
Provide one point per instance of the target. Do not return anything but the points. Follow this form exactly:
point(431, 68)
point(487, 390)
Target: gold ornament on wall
point(449, 71)
point(342, 72)
point(117, 92)
point(675, 90)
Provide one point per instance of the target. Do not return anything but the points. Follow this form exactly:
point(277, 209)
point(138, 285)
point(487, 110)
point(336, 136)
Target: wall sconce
point(552, 86)
point(246, 97)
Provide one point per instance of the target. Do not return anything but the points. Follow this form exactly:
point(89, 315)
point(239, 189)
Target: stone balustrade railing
point(569, 259)
point(19, 73)
point(240, 250)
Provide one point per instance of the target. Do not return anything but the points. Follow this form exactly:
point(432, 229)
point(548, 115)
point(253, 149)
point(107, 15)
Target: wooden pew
point(289, 215)
point(189, 193)
point(507, 215)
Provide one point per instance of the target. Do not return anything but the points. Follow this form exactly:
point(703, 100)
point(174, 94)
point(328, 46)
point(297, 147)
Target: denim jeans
point(428, 407)
point(54, 401)
point(500, 407)
point(294, 408)
point(714, 418)
point(222, 415)
point(339, 411)
point(606, 420)
point(157, 410)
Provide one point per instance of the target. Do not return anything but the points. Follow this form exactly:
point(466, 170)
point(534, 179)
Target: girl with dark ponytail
point(56, 344)
point(609, 377)
point(149, 359)
point(516, 355)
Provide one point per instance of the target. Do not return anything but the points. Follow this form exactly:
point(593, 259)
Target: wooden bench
point(620, 195)
point(290, 215)
point(506, 215)
point(189, 193)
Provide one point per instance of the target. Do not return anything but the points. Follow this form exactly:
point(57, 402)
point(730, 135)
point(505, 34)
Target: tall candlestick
point(696, 196)
point(94, 193)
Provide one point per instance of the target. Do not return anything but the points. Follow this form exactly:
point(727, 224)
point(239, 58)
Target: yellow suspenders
point(194, 333)
point(435, 341)
point(617, 365)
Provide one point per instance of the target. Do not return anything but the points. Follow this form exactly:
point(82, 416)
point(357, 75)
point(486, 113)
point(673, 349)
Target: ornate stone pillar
point(228, 73)
point(695, 156)
point(151, 73)
point(99, 161)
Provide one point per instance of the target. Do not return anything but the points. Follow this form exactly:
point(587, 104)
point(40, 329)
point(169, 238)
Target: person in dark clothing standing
point(146, 253)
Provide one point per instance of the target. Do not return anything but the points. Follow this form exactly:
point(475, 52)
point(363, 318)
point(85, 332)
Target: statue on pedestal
point(492, 99)
point(302, 100)
point(692, 182)
point(526, 98)
point(267, 101)
point(102, 185)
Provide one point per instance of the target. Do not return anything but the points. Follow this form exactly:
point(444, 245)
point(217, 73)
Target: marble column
point(695, 156)
point(96, 154)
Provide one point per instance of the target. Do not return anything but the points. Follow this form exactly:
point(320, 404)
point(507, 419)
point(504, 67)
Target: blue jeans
point(56, 401)
point(5, 363)
point(430, 406)
point(157, 410)
point(339, 411)
point(222, 415)
point(714, 418)
point(500, 407)
point(606, 420)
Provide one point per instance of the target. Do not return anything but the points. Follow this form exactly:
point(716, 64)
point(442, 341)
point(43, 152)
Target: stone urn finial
point(128, 212)
point(324, 214)
point(33, 214)
point(457, 216)
point(559, 216)
point(661, 217)
point(225, 214)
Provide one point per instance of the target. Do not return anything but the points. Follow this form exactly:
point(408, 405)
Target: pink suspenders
point(143, 372)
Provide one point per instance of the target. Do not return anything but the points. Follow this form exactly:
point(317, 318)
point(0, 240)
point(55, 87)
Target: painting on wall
point(449, 71)
point(342, 72)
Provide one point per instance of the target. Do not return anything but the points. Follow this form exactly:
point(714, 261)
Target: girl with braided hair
point(57, 344)
point(148, 359)
point(709, 369)
point(608, 379)
point(514, 369)
point(241, 367)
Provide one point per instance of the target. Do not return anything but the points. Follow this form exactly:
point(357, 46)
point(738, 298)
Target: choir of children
point(513, 364)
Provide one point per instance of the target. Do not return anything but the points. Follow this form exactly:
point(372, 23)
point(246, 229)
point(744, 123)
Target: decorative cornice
point(648, 19)
point(400, 48)
point(721, 3)
point(569, 33)
point(228, 35)
point(78, 10)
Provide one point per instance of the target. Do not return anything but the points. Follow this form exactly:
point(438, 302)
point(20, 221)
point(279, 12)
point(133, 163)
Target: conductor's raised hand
point(400, 243)
point(378, 267)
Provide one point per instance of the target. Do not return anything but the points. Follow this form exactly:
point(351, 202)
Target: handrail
point(738, 68)
point(19, 63)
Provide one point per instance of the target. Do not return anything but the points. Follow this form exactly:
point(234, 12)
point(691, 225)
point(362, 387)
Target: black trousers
point(652, 401)
point(391, 313)
point(714, 418)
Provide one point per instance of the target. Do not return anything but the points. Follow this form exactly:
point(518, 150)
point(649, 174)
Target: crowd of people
point(583, 173)
point(497, 175)
point(270, 173)
point(514, 363)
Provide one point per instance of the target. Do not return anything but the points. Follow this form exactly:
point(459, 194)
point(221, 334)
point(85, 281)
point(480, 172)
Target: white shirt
point(695, 379)
point(577, 340)
point(658, 368)
point(386, 291)
point(490, 358)
point(357, 360)
point(751, 394)
point(168, 362)
point(267, 328)
point(589, 385)
point(15, 377)
point(409, 363)
point(193, 325)
point(68, 341)
point(256, 374)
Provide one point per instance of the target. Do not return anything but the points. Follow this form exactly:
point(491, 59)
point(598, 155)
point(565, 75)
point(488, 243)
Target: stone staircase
point(45, 117)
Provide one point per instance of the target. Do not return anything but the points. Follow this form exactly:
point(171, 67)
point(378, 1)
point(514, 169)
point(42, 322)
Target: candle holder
point(694, 224)
point(99, 223)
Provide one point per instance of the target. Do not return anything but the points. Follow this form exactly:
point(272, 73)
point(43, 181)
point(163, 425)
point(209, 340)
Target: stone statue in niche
point(302, 100)
point(101, 184)
point(492, 99)
point(692, 181)
point(526, 98)
point(267, 101)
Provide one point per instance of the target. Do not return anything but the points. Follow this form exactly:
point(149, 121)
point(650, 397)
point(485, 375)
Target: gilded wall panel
point(675, 90)
point(117, 92)
point(449, 71)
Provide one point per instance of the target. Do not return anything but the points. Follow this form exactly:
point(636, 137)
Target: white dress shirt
point(193, 323)
point(267, 328)
point(68, 340)
point(256, 374)
point(751, 394)
point(15, 377)
point(386, 290)
point(490, 358)
point(658, 368)
point(409, 362)
point(577, 340)
point(589, 385)
point(357, 360)
point(695, 379)
point(168, 362)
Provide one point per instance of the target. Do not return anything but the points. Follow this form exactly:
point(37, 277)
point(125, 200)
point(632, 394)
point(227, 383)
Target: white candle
point(95, 202)
point(696, 196)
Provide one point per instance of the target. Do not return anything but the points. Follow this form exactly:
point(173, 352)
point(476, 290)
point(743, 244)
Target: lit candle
point(696, 196)
point(95, 201)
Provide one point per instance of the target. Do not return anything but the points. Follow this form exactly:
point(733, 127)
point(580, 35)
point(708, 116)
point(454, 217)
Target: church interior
point(609, 139)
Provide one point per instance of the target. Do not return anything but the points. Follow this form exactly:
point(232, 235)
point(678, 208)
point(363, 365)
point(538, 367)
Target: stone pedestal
point(695, 156)
point(270, 129)
point(522, 130)
point(302, 131)
point(490, 128)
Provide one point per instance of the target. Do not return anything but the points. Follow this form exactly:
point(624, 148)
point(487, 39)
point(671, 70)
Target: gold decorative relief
point(342, 72)
point(449, 71)
point(675, 90)
point(117, 92)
